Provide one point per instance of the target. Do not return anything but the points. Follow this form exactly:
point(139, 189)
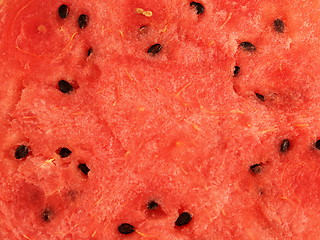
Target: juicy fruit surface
point(170, 125)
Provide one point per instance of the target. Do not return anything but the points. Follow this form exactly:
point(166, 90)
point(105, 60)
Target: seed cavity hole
point(143, 29)
point(255, 168)
point(89, 52)
point(152, 205)
point(236, 71)
point(260, 97)
point(47, 215)
point(198, 7)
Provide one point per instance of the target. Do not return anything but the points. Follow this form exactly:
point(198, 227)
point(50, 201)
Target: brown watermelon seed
point(21, 152)
point(152, 205)
point(47, 215)
point(183, 219)
point(64, 152)
point(236, 71)
point(199, 7)
point(89, 52)
point(278, 25)
point(65, 87)
point(285, 145)
point(256, 168)
point(126, 228)
point(63, 11)
point(83, 21)
point(247, 46)
point(260, 97)
point(154, 49)
point(317, 144)
point(84, 168)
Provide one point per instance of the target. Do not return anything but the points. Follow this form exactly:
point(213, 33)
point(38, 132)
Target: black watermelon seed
point(154, 49)
point(47, 215)
point(152, 205)
point(199, 7)
point(84, 168)
point(183, 219)
point(285, 145)
point(83, 21)
point(65, 87)
point(89, 51)
point(64, 152)
point(278, 25)
point(236, 71)
point(126, 228)
point(63, 11)
point(256, 168)
point(260, 97)
point(247, 46)
point(317, 144)
point(21, 152)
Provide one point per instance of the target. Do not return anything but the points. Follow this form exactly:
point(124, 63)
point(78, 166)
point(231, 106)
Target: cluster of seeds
point(22, 151)
point(83, 19)
point(156, 48)
point(278, 26)
point(284, 147)
point(183, 219)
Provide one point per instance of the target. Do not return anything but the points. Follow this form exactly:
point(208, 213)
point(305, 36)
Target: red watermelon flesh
point(153, 132)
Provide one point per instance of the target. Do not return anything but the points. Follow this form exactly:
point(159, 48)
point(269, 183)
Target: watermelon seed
point(152, 205)
point(64, 152)
point(83, 21)
point(84, 168)
point(21, 152)
point(256, 168)
point(285, 145)
point(89, 51)
point(47, 215)
point(154, 49)
point(317, 144)
point(199, 7)
point(126, 228)
point(65, 87)
point(236, 71)
point(278, 25)
point(260, 97)
point(183, 219)
point(63, 11)
point(247, 46)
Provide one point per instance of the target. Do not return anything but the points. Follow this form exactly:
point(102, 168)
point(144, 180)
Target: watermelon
point(159, 119)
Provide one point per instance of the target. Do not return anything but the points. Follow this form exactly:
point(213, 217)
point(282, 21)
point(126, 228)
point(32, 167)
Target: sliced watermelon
point(159, 120)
